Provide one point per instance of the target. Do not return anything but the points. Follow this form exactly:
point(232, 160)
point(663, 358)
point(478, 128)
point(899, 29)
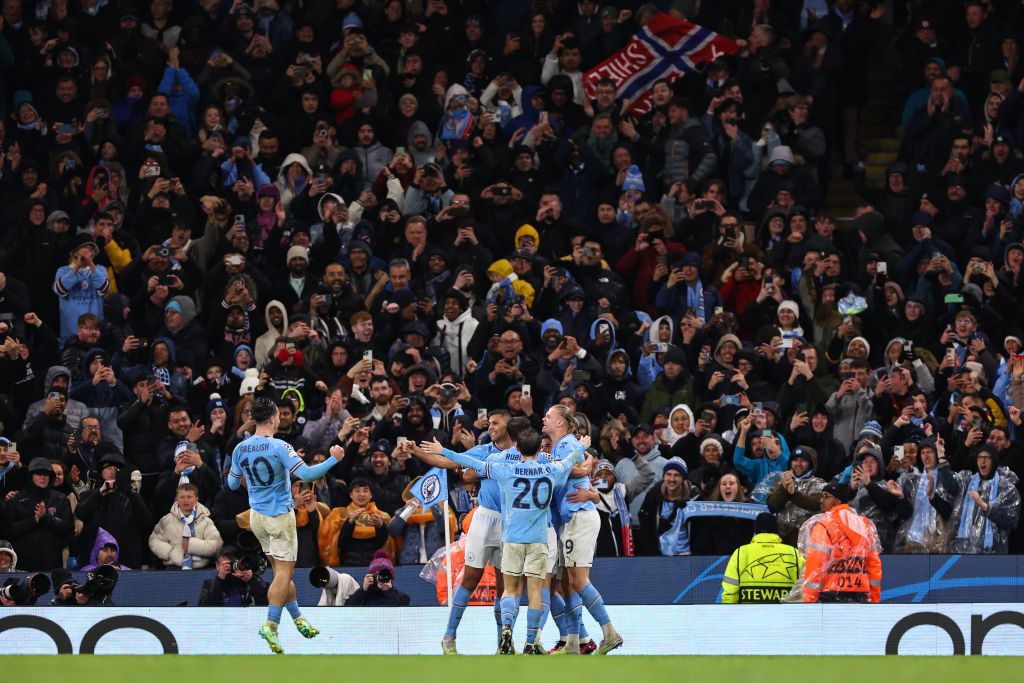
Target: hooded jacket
point(104, 538)
point(40, 545)
point(265, 342)
point(121, 514)
point(287, 194)
point(165, 541)
point(74, 410)
point(455, 337)
point(875, 502)
point(793, 509)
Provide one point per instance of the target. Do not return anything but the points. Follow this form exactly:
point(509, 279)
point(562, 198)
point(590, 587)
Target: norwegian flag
point(665, 48)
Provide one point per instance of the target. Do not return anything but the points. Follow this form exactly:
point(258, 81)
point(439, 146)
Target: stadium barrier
point(793, 629)
point(653, 581)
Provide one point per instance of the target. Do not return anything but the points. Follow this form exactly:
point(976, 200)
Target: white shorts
point(578, 539)
point(524, 558)
point(483, 540)
point(277, 535)
point(549, 568)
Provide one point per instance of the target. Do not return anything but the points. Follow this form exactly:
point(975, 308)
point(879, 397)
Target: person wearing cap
point(764, 570)
point(783, 173)
point(661, 523)
point(80, 286)
point(40, 520)
point(797, 495)
point(841, 552)
point(612, 539)
point(988, 508)
point(769, 452)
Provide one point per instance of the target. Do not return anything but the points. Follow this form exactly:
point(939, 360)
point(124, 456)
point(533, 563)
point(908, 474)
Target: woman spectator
point(722, 535)
point(662, 527)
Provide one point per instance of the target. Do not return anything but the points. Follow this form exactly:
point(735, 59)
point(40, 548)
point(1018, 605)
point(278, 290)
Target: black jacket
point(378, 598)
point(40, 545)
point(124, 514)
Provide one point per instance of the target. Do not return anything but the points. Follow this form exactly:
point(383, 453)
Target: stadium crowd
point(398, 217)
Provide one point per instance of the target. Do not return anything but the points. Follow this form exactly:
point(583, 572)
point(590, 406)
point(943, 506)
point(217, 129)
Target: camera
point(323, 577)
point(589, 251)
point(99, 583)
point(26, 591)
point(163, 252)
point(383, 576)
point(502, 191)
point(250, 554)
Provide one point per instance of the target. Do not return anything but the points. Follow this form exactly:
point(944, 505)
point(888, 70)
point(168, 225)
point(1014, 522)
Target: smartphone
point(54, 395)
point(367, 75)
point(526, 390)
point(305, 486)
point(951, 354)
point(240, 219)
point(898, 451)
point(766, 434)
point(481, 413)
point(882, 267)
point(801, 407)
point(542, 118)
point(707, 416)
point(758, 409)
point(368, 355)
point(787, 342)
point(400, 440)
point(661, 347)
point(13, 447)
point(719, 310)
point(399, 150)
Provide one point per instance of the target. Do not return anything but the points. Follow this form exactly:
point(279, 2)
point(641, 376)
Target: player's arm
point(434, 460)
point(434, 448)
point(235, 473)
point(298, 468)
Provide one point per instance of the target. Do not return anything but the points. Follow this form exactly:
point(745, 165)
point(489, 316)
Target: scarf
point(967, 515)
point(922, 523)
point(675, 541)
point(695, 299)
point(364, 529)
point(188, 530)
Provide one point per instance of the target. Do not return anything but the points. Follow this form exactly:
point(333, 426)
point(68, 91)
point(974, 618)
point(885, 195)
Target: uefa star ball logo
point(431, 489)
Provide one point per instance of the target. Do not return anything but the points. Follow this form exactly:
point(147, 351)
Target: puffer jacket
point(165, 541)
point(455, 337)
point(689, 154)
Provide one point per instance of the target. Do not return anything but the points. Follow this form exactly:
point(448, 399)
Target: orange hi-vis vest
point(842, 556)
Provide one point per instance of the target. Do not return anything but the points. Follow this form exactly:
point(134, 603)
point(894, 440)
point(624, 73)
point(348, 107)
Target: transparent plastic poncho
point(926, 531)
point(863, 543)
point(974, 531)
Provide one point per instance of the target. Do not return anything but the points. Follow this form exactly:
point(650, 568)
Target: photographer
point(233, 586)
point(379, 586)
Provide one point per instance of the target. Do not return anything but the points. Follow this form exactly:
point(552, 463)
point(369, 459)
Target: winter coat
point(203, 546)
point(455, 337)
point(928, 528)
point(664, 392)
point(651, 525)
point(40, 545)
point(265, 342)
point(74, 410)
point(121, 514)
point(1003, 513)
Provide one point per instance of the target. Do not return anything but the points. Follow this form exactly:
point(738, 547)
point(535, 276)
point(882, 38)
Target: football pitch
point(174, 669)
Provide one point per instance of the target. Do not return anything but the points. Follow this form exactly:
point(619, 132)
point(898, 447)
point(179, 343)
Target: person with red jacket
point(841, 550)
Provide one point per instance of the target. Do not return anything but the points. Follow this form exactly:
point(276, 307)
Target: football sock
point(532, 625)
point(509, 607)
point(574, 614)
point(545, 607)
point(497, 613)
point(594, 603)
point(274, 614)
point(558, 614)
point(459, 602)
point(293, 609)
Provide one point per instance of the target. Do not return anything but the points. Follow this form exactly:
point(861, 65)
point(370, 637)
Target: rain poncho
point(985, 532)
point(841, 551)
point(927, 530)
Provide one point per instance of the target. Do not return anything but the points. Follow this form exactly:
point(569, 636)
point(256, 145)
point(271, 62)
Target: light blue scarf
point(967, 516)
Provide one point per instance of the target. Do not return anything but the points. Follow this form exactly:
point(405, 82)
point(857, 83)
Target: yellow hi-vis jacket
point(764, 570)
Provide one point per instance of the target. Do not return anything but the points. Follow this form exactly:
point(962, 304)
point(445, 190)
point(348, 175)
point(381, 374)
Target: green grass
point(616, 669)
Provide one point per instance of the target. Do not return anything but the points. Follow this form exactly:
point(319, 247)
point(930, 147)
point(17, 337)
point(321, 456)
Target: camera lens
point(319, 576)
point(383, 576)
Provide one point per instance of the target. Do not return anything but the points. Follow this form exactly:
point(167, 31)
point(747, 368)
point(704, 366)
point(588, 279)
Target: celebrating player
point(577, 538)
point(527, 489)
point(483, 541)
point(267, 464)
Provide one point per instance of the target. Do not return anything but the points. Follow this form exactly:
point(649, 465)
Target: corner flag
point(431, 487)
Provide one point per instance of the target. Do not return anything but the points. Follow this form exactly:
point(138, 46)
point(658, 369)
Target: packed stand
point(396, 218)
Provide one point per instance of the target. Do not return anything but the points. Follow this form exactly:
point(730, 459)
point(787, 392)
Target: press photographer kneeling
point(236, 583)
point(378, 588)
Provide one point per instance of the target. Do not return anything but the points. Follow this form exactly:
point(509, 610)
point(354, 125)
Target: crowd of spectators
point(399, 217)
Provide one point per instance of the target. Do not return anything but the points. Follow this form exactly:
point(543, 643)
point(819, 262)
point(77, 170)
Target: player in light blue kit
point(268, 465)
point(527, 490)
point(483, 540)
point(577, 539)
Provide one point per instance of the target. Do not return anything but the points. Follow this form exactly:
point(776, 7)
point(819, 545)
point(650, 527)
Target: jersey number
point(541, 493)
point(254, 471)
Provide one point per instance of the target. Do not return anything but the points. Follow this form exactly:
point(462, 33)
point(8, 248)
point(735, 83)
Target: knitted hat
point(870, 428)
point(604, 466)
point(675, 355)
point(215, 401)
point(381, 560)
point(766, 523)
point(863, 341)
point(676, 464)
point(790, 305)
point(550, 324)
point(250, 382)
point(841, 491)
point(297, 252)
point(711, 441)
point(634, 180)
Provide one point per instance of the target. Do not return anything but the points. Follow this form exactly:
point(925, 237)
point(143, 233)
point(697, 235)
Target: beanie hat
point(634, 179)
point(790, 305)
point(863, 341)
point(550, 324)
point(871, 428)
point(675, 355)
point(766, 523)
point(185, 306)
point(250, 382)
point(215, 401)
point(297, 252)
point(841, 491)
point(676, 464)
point(711, 441)
point(381, 560)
